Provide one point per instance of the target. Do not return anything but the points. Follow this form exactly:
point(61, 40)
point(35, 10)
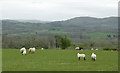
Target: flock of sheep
point(93, 56)
point(23, 50)
point(78, 48)
point(32, 50)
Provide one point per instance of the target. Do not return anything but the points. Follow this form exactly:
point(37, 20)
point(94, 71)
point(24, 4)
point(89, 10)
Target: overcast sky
point(51, 10)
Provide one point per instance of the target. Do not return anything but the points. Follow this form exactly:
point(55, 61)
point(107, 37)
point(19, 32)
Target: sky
point(55, 10)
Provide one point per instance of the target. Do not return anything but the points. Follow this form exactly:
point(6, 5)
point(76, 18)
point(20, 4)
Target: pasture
point(58, 60)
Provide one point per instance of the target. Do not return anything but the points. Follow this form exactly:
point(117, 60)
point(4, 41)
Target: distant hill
point(89, 21)
point(75, 28)
point(32, 21)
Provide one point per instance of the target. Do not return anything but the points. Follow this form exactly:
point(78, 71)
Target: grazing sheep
point(77, 48)
point(81, 55)
point(93, 56)
point(24, 52)
point(96, 49)
point(32, 50)
point(82, 49)
point(22, 49)
point(92, 49)
point(42, 48)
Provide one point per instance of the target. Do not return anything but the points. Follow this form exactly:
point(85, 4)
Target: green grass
point(21, 24)
point(51, 32)
point(0, 60)
point(98, 35)
point(56, 31)
point(42, 31)
point(59, 60)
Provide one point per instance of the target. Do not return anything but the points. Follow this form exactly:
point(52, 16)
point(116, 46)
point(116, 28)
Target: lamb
point(32, 50)
point(93, 56)
point(81, 55)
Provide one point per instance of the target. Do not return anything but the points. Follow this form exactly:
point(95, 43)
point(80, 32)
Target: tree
point(65, 42)
point(57, 40)
point(92, 44)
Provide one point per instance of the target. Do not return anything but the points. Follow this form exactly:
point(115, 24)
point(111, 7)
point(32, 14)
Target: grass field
point(0, 60)
point(58, 60)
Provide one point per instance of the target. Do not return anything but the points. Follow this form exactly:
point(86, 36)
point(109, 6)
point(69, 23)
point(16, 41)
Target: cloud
point(57, 9)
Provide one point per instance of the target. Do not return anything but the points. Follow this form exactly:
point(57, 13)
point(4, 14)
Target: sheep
point(42, 48)
point(81, 49)
point(22, 49)
point(32, 50)
point(96, 49)
point(92, 49)
point(81, 55)
point(93, 56)
point(77, 48)
point(24, 52)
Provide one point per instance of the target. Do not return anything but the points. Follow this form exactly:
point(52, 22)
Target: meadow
point(58, 60)
point(0, 60)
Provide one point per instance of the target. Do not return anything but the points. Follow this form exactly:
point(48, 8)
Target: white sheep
point(22, 49)
point(92, 49)
point(32, 50)
point(81, 55)
point(93, 56)
point(42, 48)
point(96, 49)
point(77, 48)
point(81, 49)
point(24, 52)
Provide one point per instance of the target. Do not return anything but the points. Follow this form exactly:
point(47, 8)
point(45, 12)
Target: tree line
point(55, 42)
point(35, 41)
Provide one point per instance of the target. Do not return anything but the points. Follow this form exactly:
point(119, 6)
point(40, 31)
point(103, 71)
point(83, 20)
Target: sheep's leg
point(92, 59)
point(84, 58)
point(79, 58)
point(29, 51)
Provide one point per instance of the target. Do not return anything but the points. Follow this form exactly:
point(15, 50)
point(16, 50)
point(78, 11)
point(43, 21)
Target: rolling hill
point(75, 27)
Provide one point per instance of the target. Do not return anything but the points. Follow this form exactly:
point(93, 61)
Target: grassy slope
point(59, 60)
point(98, 35)
point(42, 31)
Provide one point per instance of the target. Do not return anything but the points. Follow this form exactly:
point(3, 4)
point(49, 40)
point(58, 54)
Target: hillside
point(77, 27)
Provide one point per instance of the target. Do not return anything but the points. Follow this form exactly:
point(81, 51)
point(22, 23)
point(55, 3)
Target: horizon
point(61, 20)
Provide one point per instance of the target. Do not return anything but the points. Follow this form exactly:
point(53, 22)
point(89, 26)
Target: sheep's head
point(93, 53)
point(22, 51)
point(29, 51)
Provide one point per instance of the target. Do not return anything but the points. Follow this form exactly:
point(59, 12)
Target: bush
point(65, 42)
point(106, 48)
